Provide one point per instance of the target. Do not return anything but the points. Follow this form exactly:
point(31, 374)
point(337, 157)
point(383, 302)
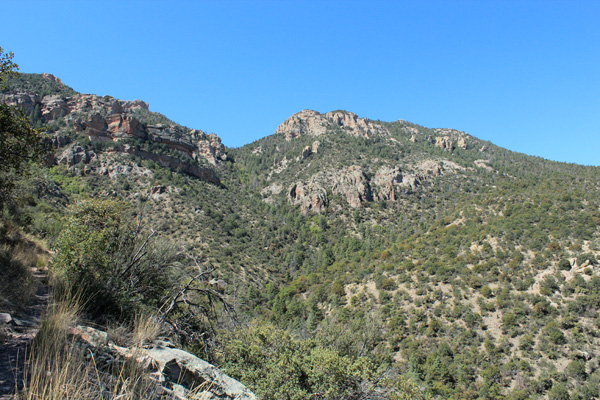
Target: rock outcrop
point(313, 123)
point(195, 170)
point(51, 77)
point(356, 187)
point(176, 372)
point(354, 125)
point(306, 152)
point(450, 139)
point(353, 185)
point(444, 142)
point(75, 154)
point(306, 122)
point(310, 150)
point(106, 119)
point(310, 197)
point(27, 101)
point(388, 183)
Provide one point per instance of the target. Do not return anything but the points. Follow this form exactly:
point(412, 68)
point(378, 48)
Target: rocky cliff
point(353, 186)
point(106, 119)
point(313, 123)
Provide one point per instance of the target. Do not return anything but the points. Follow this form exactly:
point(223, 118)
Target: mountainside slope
point(473, 266)
point(470, 267)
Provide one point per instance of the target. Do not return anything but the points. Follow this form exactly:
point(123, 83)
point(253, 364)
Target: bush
point(558, 392)
point(388, 284)
point(554, 333)
point(576, 369)
point(108, 257)
point(486, 292)
point(18, 256)
point(276, 366)
point(564, 265)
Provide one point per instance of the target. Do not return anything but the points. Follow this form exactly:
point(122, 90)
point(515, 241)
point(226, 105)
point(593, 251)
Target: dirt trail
point(25, 327)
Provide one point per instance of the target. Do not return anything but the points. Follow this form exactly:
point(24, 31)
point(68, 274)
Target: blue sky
point(522, 74)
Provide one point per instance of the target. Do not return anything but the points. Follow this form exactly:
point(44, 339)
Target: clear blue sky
point(522, 74)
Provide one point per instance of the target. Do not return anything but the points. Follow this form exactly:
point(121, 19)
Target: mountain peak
point(313, 123)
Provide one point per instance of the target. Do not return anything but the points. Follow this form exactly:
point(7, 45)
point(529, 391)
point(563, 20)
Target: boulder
point(5, 318)
point(180, 373)
point(192, 373)
point(316, 146)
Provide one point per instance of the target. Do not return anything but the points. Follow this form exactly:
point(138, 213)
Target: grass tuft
point(60, 367)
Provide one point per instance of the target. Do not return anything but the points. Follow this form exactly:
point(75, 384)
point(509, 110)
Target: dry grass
point(20, 254)
point(54, 369)
point(146, 328)
point(59, 367)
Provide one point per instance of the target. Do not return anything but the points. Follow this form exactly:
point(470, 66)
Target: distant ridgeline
point(432, 254)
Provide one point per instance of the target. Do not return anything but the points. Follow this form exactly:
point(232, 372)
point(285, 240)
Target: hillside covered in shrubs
point(338, 258)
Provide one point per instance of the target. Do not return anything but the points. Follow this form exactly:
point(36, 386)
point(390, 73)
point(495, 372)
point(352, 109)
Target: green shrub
point(564, 265)
point(277, 366)
point(106, 256)
point(486, 292)
point(558, 392)
point(576, 369)
point(555, 334)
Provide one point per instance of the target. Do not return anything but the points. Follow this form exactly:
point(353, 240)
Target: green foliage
point(564, 265)
point(18, 256)
point(276, 365)
point(106, 255)
point(554, 333)
point(558, 392)
point(576, 370)
point(19, 142)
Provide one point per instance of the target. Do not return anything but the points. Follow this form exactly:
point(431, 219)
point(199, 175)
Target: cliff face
point(106, 119)
point(313, 123)
point(353, 186)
